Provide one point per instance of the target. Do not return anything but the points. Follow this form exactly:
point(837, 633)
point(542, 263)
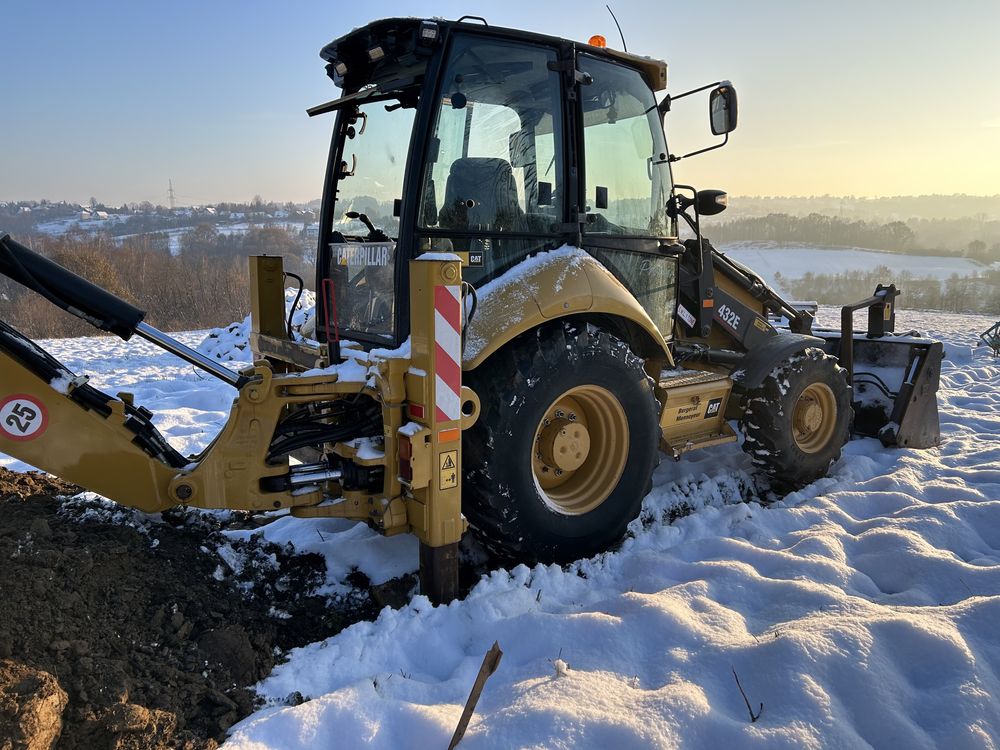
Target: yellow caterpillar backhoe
point(510, 328)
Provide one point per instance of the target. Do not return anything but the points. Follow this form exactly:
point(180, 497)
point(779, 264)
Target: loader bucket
point(895, 376)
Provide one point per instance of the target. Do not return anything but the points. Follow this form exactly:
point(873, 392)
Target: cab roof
point(403, 36)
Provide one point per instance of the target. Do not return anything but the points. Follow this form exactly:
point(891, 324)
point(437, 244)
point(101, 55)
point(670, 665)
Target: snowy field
point(861, 611)
point(793, 262)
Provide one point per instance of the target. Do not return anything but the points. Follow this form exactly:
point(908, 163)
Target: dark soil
point(130, 617)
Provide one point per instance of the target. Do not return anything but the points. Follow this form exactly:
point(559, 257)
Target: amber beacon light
point(597, 41)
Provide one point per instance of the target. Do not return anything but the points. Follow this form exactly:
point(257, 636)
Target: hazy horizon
point(859, 99)
point(280, 200)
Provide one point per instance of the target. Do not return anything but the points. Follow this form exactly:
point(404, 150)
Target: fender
point(759, 361)
point(549, 286)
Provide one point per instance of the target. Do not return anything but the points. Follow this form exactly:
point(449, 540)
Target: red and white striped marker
point(448, 352)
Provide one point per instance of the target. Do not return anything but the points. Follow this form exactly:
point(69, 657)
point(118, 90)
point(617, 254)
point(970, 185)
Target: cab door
point(493, 185)
point(626, 185)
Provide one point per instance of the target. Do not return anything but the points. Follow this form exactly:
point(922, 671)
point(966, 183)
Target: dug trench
point(123, 632)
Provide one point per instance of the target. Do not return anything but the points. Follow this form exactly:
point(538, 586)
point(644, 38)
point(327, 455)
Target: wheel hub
point(564, 444)
point(814, 417)
point(809, 417)
point(580, 449)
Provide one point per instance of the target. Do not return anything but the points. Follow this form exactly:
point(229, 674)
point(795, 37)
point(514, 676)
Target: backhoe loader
point(518, 314)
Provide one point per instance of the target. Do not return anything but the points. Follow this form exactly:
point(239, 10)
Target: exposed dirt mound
point(152, 639)
point(31, 707)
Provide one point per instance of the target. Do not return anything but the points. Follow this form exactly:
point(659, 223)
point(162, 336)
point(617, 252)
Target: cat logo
point(713, 408)
point(367, 254)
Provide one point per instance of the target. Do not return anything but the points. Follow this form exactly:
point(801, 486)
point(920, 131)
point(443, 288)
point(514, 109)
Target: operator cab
point(494, 144)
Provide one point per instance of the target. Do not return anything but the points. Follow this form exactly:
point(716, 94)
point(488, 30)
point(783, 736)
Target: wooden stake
point(490, 663)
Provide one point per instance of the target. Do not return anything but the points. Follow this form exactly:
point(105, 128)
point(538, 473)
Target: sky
point(114, 99)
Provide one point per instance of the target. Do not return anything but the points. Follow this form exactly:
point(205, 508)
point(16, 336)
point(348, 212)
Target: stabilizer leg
point(439, 572)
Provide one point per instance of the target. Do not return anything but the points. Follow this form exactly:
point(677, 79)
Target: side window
point(627, 175)
point(494, 163)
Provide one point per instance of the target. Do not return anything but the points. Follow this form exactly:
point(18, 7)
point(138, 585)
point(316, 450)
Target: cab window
point(627, 176)
point(494, 163)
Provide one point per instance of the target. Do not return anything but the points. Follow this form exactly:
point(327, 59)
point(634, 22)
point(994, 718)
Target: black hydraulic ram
point(97, 306)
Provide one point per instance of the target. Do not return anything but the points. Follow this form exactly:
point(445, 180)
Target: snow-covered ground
point(861, 611)
point(794, 262)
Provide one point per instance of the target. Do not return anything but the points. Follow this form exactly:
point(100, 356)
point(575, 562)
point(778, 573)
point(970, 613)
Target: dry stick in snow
point(490, 663)
point(745, 700)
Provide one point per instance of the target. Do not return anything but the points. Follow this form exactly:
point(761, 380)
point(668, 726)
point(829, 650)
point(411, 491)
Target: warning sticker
point(22, 417)
point(448, 470)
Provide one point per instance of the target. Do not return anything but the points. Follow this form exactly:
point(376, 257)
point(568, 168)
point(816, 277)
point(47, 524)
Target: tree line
point(975, 294)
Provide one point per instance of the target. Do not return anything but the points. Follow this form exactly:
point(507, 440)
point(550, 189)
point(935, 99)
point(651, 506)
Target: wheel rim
point(814, 418)
point(580, 449)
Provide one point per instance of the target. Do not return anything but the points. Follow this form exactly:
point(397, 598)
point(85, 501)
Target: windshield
point(360, 292)
point(376, 156)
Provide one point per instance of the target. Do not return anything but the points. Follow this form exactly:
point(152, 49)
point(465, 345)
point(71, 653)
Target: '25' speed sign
point(22, 417)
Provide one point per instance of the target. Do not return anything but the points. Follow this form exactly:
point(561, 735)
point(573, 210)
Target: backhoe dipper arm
point(54, 421)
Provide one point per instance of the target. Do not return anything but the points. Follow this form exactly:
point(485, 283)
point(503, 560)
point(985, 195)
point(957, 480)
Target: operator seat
point(481, 195)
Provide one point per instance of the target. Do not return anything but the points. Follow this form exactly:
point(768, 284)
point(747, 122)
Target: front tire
point(798, 420)
point(564, 451)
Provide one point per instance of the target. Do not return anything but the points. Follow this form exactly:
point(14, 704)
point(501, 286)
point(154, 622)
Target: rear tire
point(563, 453)
point(798, 420)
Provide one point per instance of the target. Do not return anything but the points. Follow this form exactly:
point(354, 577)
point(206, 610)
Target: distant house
point(85, 216)
point(100, 215)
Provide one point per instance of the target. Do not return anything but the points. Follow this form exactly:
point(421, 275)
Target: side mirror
point(710, 202)
point(722, 109)
point(721, 114)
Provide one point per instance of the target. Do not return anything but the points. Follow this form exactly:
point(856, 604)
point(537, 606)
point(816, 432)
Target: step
point(680, 378)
